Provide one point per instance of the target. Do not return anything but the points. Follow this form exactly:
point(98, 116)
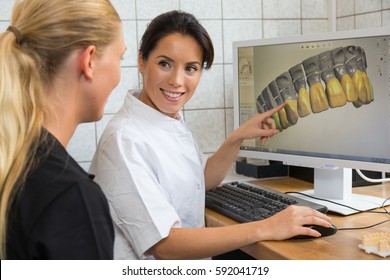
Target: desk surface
point(342, 245)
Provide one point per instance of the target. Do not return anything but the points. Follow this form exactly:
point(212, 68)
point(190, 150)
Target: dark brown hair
point(177, 22)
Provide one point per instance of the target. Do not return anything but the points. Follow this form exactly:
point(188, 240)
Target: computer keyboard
point(246, 202)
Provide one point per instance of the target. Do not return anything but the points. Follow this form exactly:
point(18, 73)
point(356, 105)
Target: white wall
point(210, 113)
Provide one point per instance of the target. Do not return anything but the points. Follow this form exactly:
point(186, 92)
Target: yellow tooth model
point(351, 65)
point(298, 79)
point(340, 71)
point(278, 99)
point(318, 99)
point(268, 102)
point(289, 96)
point(362, 65)
point(334, 90)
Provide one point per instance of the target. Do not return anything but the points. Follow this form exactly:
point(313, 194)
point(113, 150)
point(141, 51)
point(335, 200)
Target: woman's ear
point(140, 63)
point(87, 61)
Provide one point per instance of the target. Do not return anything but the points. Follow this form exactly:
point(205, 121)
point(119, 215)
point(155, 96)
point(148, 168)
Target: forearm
point(260, 126)
point(220, 162)
point(188, 243)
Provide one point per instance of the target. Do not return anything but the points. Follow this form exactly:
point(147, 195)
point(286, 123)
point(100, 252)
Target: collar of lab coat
point(135, 106)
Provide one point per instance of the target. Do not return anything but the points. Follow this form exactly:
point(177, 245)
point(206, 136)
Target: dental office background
point(209, 114)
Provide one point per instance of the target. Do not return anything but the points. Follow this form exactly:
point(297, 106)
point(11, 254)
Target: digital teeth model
point(327, 80)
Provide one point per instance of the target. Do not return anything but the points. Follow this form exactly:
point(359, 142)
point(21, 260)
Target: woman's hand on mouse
point(290, 222)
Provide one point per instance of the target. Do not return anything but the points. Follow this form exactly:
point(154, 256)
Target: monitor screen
point(336, 87)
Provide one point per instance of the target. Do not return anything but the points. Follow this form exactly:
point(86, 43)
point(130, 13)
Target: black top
point(60, 212)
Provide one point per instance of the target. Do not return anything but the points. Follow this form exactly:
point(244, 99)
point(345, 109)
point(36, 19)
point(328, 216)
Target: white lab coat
point(152, 173)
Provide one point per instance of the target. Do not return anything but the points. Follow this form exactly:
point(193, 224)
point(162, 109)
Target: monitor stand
point(336, 186)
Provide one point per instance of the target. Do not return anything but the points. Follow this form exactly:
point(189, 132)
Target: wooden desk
point(342, 245)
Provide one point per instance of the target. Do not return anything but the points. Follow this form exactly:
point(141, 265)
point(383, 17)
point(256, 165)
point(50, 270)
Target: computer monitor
point(336, 87)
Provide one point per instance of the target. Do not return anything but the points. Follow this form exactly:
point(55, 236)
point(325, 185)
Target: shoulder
point(126, 129)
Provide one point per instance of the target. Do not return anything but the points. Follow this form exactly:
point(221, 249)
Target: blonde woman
point(59, 61)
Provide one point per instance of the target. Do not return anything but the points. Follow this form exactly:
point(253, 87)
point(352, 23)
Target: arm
point(260, 126)
point(190, 243)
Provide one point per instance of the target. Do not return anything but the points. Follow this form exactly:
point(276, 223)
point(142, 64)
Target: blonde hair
point(43, 34)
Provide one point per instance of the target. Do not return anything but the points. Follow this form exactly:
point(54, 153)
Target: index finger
point(271, 112)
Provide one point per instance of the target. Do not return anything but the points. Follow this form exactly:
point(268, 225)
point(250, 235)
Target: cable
point(366, 227)
point(346, 206)
point(383, 205)
point(370, 179)
point(359, 211)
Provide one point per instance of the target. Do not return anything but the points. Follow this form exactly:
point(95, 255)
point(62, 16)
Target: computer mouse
point(323, 230)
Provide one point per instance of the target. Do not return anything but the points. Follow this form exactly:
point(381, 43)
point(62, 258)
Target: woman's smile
point(172, 96)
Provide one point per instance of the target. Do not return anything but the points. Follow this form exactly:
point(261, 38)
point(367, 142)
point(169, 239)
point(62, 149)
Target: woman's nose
point(176, 78)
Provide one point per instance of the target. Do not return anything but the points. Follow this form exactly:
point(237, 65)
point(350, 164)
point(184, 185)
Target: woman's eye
point(192, 69)
point(164, 64)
